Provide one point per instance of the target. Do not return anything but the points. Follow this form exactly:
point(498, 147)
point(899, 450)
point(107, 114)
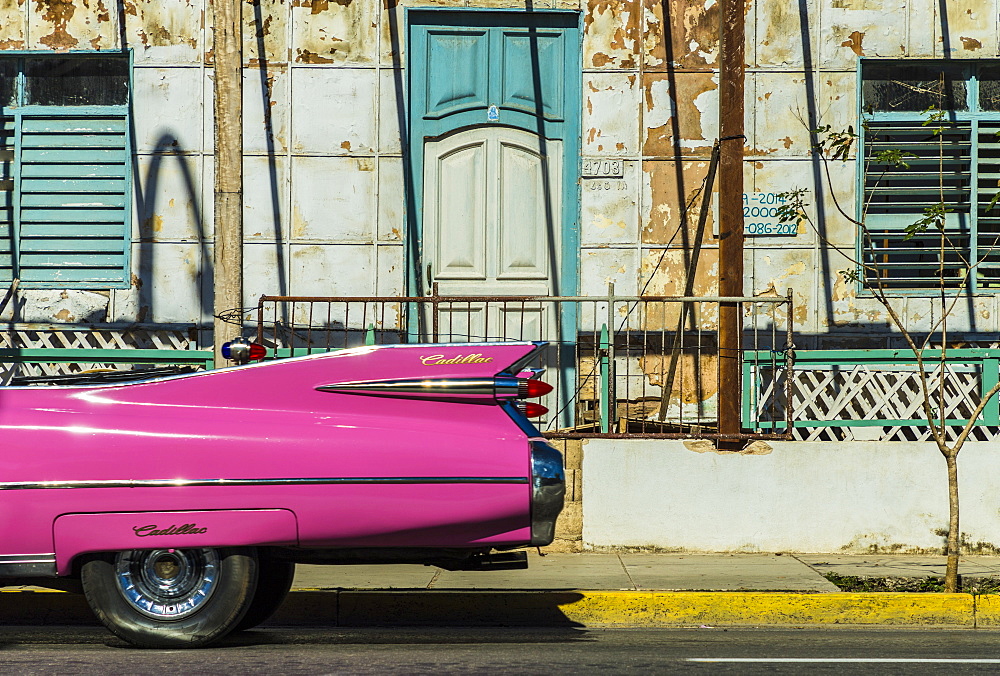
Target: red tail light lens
point(533, 388)
point(533, 410)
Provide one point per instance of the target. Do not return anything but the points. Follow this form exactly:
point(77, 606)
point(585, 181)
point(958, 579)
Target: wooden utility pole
point(228, 168)
point(731, 131)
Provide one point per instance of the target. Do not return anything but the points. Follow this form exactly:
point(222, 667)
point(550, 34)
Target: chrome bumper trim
point(548, 489)
point(27, 565)
point(167, 483)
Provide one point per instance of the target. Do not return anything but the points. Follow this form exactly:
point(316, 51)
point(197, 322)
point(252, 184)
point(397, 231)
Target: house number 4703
point(603, 169)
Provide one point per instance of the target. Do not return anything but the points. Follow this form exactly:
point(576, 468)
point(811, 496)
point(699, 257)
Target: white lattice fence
point(872, 393)
point(106, 336)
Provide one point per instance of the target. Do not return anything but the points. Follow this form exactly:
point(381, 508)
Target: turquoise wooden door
point(474, 73)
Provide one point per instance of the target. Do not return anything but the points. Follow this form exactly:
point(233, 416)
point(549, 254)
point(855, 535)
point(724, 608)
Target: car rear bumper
point(548, 488)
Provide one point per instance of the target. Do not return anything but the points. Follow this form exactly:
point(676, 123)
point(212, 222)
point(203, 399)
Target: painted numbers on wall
point(603, 169)
point(760, 216)
point(607, 185)
point(604, 174)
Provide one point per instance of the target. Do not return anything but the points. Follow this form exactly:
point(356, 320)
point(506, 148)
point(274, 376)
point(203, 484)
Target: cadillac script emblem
point(442, 360)
point(185, 529)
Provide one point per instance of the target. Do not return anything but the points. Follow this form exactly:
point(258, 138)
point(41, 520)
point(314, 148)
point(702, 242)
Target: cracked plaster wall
point(324, 168)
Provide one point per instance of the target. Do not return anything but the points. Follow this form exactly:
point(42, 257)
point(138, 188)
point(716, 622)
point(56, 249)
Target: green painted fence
point(758, 370)
point(89, 355)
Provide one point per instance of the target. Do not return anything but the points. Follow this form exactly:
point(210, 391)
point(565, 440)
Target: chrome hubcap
point(167, 584)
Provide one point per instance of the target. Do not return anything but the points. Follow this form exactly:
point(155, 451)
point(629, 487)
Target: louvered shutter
point(6, 198)
point(939, 161)
point(72, 200)
point(988, 184)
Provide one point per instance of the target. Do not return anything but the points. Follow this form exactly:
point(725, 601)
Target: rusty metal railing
point(621, 366)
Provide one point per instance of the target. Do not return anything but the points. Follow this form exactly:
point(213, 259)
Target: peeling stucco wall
point(324, 166)
point(801, 73)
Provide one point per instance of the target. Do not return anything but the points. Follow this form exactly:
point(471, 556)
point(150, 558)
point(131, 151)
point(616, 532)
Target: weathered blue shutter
point(72, 200)
point(6, 198)
point(939, 165)
point(988, 216)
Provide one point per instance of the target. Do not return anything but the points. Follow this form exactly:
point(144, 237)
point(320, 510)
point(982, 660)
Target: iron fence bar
point(260, 320)
point(312, 307)
point(778, 300)
point(612, 375)
point(789, 364)
point(663, 340)
point(291, 331)
point(435, 307)
point(329, 321)
point(664, 435)
point(98, 355)
point(604, 401)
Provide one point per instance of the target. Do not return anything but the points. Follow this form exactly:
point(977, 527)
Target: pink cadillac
point(180, 505)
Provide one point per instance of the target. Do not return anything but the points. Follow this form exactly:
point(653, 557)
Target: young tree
point(951, 282)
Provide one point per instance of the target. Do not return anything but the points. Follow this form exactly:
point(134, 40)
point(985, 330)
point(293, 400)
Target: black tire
point(171, 598)
point(274, 579)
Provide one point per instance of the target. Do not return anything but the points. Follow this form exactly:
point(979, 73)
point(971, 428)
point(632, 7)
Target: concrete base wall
point(785, 496)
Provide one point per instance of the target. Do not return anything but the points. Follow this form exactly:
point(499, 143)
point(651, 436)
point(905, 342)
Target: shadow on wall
point(265, 92)
point(144, 265)
point(819, 186)
point(144, 262)
point(414, 281)
point(678, 162)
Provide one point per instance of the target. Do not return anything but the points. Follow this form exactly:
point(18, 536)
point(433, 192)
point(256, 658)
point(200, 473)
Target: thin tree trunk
point(953, 551)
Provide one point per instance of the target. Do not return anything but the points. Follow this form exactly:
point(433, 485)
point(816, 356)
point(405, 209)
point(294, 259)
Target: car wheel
point(165, 598)
point(274, 579)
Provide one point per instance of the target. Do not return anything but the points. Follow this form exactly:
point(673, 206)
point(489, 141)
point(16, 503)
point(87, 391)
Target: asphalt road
point(86, 650)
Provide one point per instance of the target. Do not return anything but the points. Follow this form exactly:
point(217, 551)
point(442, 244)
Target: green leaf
point(893, 157)
point(933, 115)
point(851, 275)
point(934, 216)
point(793, 206)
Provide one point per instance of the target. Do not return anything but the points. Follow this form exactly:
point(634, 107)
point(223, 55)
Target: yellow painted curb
point(653, 609)
point(571, 608)
point(772, 608)
point(988, 610)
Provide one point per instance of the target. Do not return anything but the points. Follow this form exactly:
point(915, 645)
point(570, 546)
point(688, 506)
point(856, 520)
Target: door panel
point(457, 177)
point(456, 58)
point(492, 211)
point(519, 91)
point(529, 211)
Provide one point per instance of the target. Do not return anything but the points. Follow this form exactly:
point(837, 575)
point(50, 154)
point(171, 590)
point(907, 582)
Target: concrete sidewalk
point(600, 589)
point(644, 572)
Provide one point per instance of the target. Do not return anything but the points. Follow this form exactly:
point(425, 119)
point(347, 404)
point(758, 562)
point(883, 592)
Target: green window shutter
point(73, 205)
point(6, 198)
point(988, 211)
point(939, 168)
